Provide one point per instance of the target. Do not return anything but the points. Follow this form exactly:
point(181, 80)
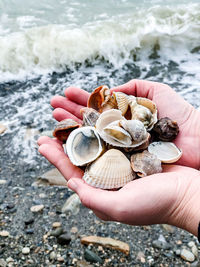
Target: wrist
point(186, 214)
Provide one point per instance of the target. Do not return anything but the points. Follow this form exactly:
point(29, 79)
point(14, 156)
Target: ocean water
point(48, 45)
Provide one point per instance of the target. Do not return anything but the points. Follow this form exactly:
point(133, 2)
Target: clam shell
point(145, 163)
point(84, 145)
point(111, 170)
point(64, 127)
point(167, 152)
point(116, 132)
point(90, 116)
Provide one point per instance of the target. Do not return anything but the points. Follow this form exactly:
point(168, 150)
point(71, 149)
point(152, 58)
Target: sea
point(48, 45)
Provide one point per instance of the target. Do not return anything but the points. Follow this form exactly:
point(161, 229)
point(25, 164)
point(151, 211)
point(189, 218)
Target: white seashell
point(137, 131)
point(167, 152)
point(111, 170)
point(116, 132)
point(84, 145)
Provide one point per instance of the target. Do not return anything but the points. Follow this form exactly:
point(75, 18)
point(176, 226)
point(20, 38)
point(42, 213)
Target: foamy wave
point(51, 48)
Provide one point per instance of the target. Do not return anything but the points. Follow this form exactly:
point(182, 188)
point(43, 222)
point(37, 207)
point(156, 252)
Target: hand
point(169, 197)
point(170, 104)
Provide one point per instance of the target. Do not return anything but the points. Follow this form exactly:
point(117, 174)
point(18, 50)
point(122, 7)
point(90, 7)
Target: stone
point(72, 205)
point(53, 177)
point(26, 250)
point(4, 233)
point(187, 255)
point(56, 224)
point(37, 208)
point(170, 229)
point(52, 255)
point(64, 239)
point(191, 244)
point(29, 220)
point(82, 263)
point(107, 242)
point(29, 231)
point(141, 257)
point(60, 259)
point(92, 257)
point(58, 231)
point(3, 263)
point(3, 128)
point(161, 244)
point(2, 181)
point(74, 230)
point(194, 250)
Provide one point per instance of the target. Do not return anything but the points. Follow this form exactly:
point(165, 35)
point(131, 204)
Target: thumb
point(93, 198)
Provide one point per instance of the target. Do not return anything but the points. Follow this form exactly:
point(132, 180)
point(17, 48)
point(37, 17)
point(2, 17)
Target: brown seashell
point(166, 129)
point(100, 99)
point(90, 116)
point(111, 170)
point(64, 128)
point(145, 164)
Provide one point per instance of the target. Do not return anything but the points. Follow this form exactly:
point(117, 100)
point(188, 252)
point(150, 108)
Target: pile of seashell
point(115, 140)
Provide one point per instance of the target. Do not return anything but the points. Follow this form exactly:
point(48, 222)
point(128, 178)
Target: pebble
point(191, 244)
point(3, 128)
point(26, 250)
point(168, 228)
point(3, 263)
point(92, 257)
point(72, 205)
point(29, 231)
point(141, 257)
point(4, 233)
point(2, 181)
point(58, 231)
point(29, 220)
point(64, 239)
point(187, 255)
point(74, 230)
point(161, 244)
point(195, 251)
point(37, 208)
point(52, 255)
point(56, 224)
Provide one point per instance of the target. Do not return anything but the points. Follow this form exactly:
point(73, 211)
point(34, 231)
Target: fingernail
point(72, 185)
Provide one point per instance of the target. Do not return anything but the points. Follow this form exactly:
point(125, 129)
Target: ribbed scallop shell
point(167, 152)
point(84, 146)
point(122, 101)
point(111, 170)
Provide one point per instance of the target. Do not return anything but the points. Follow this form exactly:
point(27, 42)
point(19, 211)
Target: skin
point(169, 197)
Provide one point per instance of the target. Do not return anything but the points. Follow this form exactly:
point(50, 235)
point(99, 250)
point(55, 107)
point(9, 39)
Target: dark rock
point(29, 221)
point(92, 257)
point(64, 239)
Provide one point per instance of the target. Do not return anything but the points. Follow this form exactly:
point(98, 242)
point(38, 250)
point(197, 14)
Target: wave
point(158, 32)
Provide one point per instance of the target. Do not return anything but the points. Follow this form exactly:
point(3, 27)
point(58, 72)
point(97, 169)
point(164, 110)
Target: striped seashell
point(111, 170)
point(122, 101)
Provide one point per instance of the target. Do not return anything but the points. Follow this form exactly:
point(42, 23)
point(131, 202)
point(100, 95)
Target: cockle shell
point(144, 110)
point(167, 152)
point(111, 170)
point(64, 127)
point(122, 101)
point(84, 146)
point(90, 116)
point(145, 163)
point(100, 99)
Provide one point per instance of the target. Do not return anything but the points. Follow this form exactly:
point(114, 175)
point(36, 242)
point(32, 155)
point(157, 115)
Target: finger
point(101, 201)
point(60, 160)
point(178, 168)
point(61, 114)
point(77, 95)
point(51, 141)
point(68, 105)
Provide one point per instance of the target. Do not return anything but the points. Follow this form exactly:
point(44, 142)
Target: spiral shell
point(111, 170)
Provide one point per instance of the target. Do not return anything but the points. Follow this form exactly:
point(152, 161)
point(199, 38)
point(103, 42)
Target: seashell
point(145, 163)
point(167, 152)
point(122, 101)
point(100, 99)
point(111, 170)
point(116, 132)
point(84, 146)
point(144, 110)
point(166, 129)
point(90, 116)
point(64, 127)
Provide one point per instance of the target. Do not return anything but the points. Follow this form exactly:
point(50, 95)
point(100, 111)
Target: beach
point(46, 47)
